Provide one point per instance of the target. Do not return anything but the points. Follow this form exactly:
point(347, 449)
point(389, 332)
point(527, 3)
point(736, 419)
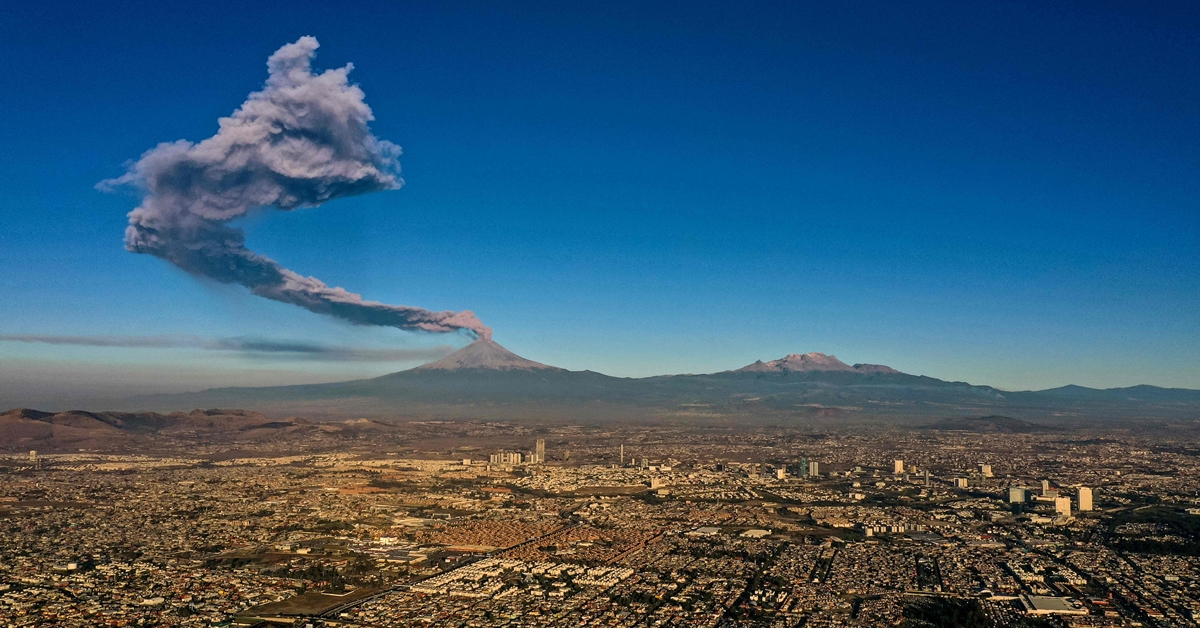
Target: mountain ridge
point(485, 380)
point(813, 361)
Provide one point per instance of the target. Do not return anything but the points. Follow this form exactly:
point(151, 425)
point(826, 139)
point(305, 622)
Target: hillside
point(23, 429)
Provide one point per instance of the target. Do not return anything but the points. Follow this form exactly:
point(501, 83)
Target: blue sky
point(1001, 192)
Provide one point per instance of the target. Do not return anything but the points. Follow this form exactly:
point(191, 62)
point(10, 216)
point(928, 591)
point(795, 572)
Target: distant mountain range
point(485, 380)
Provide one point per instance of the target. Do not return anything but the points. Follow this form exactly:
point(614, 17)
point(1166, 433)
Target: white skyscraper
point(960, 482)
point(1084, 498)
point(540, 451)
point(985, 470)
point(1016, 495)
point(899, 467)
point(1062, 505)
point(812, 469)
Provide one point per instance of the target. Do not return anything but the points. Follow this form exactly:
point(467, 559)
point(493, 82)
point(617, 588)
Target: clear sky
point(999, 192)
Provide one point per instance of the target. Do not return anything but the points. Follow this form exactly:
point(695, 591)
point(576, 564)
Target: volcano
point(487, 354)
point(810, 362)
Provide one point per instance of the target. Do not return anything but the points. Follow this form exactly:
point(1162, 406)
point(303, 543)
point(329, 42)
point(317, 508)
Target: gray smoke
point(301, 141)
point(252, 347)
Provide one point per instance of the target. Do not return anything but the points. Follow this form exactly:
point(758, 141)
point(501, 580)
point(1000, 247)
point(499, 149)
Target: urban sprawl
point(492, 524)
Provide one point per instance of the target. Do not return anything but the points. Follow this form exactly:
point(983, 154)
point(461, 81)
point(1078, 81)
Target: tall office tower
point(960, 482)
point(813, 469)
point(781, 473)
point(1016, 495)
point(926, 477)
point(622, 454)
point(540, 455)
point(799, 468)
point(1084, 498)
point(985, 470)
point(1062, 505)
point(1045, 487)
point(899, 467)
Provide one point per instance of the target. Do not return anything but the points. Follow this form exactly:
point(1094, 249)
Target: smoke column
point(301, 141)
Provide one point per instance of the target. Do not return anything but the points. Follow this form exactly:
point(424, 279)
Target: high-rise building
point(1084, 497)
point(802, 468)
point(1016, 495)
point(898, 467)
point(539, 456)
point(1062, 505)
point(960, 482)
point(505, 457)
point(781, 473)
point(985, 470)
point(1045, 488)
point(813, 469)
point(926, 477)
point(622, 454)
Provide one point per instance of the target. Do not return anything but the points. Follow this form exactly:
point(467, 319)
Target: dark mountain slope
point(485, 380)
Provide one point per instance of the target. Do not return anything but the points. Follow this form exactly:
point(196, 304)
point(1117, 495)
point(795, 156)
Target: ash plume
point(301, 141)
point(251, 347)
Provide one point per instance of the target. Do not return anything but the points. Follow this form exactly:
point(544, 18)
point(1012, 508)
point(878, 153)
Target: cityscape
point(620, 314)
point(613, 525)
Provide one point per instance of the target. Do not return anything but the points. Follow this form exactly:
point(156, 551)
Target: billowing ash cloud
point(301, 141)
point(254, 347)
